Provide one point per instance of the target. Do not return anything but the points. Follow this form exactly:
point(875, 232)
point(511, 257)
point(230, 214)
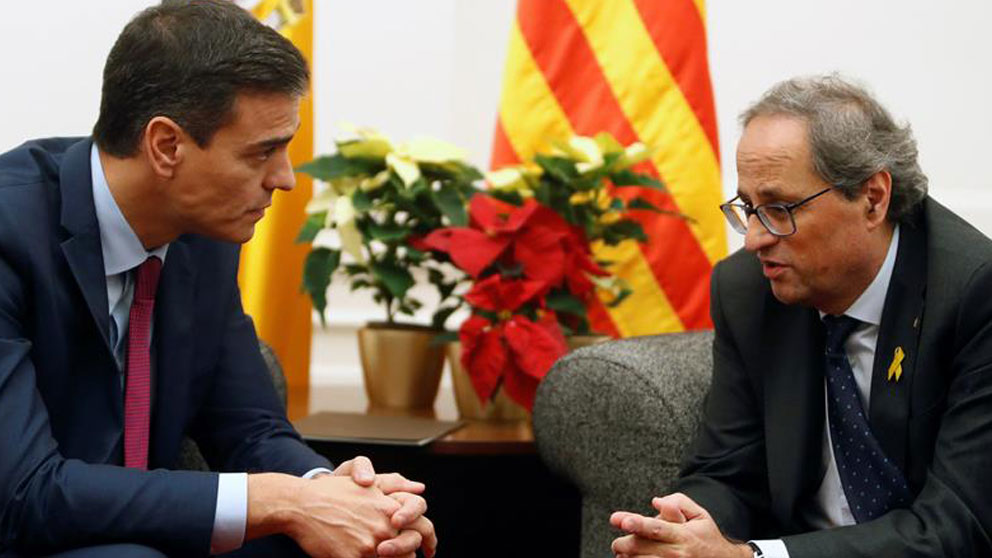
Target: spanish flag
point(637, 69)
point(271, 269)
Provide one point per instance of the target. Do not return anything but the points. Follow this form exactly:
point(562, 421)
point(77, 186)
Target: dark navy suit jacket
point(61, 483)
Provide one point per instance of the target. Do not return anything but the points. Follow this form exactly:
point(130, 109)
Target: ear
point(163, 145)
point(878, 194)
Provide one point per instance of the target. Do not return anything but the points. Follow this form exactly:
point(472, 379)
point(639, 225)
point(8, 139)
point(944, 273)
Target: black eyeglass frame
point(734, 219)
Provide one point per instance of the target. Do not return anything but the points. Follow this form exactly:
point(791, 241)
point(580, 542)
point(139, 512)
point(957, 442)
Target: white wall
point(433, 67)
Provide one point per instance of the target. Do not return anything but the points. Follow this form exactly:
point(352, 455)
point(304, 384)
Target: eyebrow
point(272, 142)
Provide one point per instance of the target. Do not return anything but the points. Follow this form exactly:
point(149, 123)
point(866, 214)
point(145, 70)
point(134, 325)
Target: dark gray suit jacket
point(758, 456)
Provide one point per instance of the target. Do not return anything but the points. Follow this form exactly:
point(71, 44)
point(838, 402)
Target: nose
point(757, 236)
point(281, 176)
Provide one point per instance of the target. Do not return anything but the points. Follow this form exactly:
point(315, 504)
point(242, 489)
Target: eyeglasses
point(776, 217)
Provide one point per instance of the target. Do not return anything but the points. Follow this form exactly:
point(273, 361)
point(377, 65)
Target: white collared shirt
point(829, 506)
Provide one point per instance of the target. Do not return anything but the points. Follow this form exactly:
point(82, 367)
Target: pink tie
point(137, 389)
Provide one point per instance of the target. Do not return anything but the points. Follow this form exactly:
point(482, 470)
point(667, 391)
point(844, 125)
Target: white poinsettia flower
point(321, 202)
point(369, 148)
point(432, 151)
point(343, 219)
point(607, 143)
point(633, 154)
point(375, 182)
point(406, 168)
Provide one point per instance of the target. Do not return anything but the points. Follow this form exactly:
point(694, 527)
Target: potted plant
point(527, 249)
point(377, 197)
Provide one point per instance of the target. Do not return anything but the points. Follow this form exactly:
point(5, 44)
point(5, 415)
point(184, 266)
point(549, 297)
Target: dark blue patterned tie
point(872, 483)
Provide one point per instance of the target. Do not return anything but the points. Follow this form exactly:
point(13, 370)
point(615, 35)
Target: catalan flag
point(271, 264)
point(637, 69)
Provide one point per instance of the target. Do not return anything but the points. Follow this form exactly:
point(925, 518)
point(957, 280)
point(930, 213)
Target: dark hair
point(852, 137)
point(188, 60)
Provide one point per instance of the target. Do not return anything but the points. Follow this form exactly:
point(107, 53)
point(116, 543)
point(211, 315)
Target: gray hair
point(852, 137)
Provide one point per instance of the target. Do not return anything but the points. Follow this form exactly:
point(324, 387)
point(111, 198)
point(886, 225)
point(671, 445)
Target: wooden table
point(488, 491)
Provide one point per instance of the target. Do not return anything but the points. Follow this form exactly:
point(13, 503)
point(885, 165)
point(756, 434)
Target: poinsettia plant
point(527, 249)
point(377, 197)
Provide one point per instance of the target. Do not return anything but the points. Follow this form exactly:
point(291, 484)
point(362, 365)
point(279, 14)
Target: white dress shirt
point(829, 506)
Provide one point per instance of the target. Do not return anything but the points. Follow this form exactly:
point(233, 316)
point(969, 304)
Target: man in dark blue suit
point(199, 104)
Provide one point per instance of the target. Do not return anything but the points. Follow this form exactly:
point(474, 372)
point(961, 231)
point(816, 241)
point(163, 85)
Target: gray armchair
point(616, 420)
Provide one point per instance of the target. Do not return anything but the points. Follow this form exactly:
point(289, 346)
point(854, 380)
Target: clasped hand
point(681, 529)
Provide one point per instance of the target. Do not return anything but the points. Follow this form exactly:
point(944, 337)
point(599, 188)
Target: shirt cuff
point(772, 548)
point(316, 471)
point(232, 513)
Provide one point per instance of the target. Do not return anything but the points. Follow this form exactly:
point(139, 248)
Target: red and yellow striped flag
point(637, 69)
point(271, 264)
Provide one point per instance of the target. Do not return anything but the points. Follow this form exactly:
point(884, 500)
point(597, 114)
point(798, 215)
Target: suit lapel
point(173, 346)
point(793, 379)
point(82, 248)
point(903, 312)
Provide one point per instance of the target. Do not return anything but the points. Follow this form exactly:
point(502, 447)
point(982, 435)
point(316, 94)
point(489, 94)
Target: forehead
point(260, 117)
point(773, 156)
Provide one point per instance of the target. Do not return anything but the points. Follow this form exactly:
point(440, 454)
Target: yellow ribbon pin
point(895, 369)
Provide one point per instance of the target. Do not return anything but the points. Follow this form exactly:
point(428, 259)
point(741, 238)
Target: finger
point(362, 471)
point(395, 482)
point(689, 508)
point(411, 507)
point(632, 545)
point(406, 542)
point(652, 529)
point(669, 511)
point(616, 519)
point(425, 527)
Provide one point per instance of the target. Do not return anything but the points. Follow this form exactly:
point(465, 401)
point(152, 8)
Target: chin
point(787, 294)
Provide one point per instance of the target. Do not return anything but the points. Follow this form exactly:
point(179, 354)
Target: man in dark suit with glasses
point(850, 412)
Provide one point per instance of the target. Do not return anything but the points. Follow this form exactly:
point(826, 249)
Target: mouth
point(258, 212)
point(772, 269)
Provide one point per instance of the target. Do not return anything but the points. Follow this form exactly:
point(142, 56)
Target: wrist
point(272, 505)
point(752, 550)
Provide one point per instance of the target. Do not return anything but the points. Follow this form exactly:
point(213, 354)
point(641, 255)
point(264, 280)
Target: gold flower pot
point(402, 369)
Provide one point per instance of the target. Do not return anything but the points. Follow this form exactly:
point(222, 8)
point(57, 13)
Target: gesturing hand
point(682, 529)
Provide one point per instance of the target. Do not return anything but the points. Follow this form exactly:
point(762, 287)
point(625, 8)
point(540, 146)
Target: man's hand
point(683, 529)
point(329, 516)
point(415, 530)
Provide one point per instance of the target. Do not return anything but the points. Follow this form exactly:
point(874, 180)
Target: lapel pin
point(895, 369)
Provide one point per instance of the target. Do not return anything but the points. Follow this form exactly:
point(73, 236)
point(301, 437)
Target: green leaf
point(445, 289)
point(329, 167)
point(360, 284)
point(354, 269)
point(641, 203)
point(361, 201)
point(397, 279)
point(388, 232)
point(441, 315)
point(450, 202)
point(628, 177)
point(563, 301)
point(318, 267)
point(444, 338)
point(310, 228)
point(626, 228)
point(624, 293)
point(559, 167)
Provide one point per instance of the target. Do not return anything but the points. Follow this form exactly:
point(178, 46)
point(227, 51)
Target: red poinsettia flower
point(516, 352)
point(530, 234)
